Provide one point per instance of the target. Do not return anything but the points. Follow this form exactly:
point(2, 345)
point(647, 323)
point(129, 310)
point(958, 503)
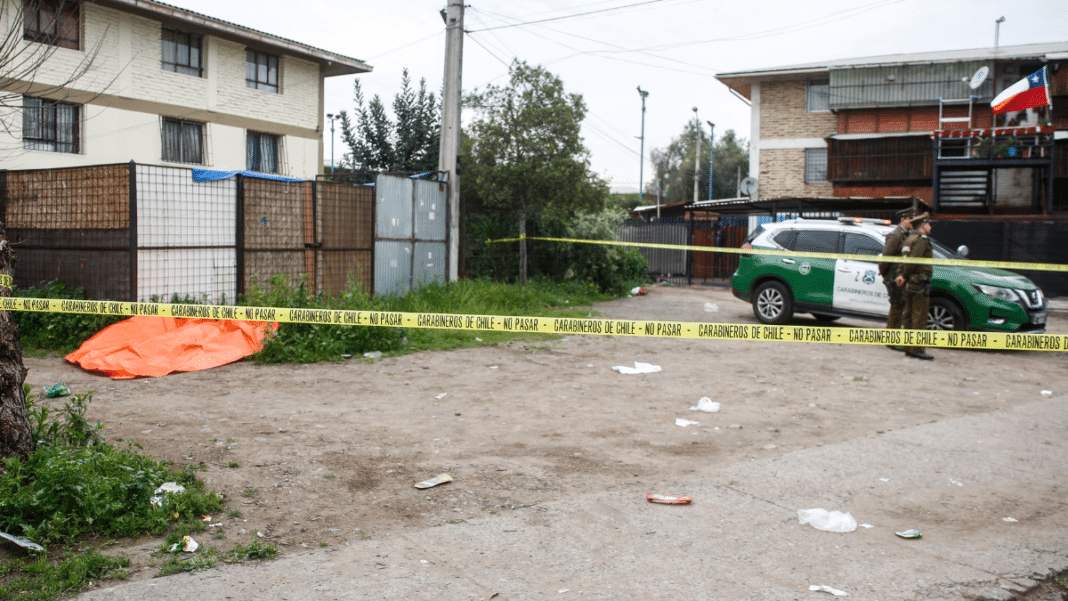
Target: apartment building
point(139, 80)
point(917, 124)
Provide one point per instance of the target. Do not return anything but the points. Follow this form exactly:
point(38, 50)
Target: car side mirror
point(962, 250)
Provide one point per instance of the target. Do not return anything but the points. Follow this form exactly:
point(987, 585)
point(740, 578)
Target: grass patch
point(42, 578)
point(306, 343)
point(76, 486)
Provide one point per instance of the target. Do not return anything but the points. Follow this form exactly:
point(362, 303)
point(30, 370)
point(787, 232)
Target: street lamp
point(697, 151)
point(641, 169)
point(997, 31)
point(330, 116)
point(711, 154)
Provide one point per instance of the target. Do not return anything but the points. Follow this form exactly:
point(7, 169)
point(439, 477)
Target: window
point(261, 152)
point(261, 71)
point(859, 244)
point(52, 22)
point(783, 238)
point(819, 95)
point(815, 165)
point(183, 141)
point(181, 52)
point(816, 241)
point(49, 125)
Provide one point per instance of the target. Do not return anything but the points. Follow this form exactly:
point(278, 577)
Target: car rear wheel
point(943, 314)
point(773, 303)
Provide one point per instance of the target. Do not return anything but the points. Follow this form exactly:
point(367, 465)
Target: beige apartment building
point(161, 85)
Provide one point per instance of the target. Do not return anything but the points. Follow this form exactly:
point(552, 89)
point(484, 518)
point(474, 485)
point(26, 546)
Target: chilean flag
point(1025, 94)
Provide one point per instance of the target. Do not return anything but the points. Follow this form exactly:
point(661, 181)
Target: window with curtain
point(183, 141)
point(261, 152)
point(261, 71)
point(55, 22)
point(50, 125)
point(181, 52)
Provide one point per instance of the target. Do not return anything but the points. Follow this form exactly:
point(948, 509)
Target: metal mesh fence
point(186, 243)
point(346, 219)
point(272, 230)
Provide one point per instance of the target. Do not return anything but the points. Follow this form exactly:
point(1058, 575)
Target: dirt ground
point(327, 454)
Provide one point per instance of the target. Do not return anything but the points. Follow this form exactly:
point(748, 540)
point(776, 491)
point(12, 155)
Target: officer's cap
point(906, 212)
point(920, 219)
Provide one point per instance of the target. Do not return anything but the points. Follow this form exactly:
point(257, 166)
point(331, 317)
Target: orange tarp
point(157, 346)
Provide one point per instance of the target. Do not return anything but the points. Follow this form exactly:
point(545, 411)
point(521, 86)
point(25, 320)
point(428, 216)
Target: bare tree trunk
point(522, 249)
point(16, 437)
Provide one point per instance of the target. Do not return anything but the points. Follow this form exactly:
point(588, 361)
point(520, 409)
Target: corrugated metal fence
point(143, 232)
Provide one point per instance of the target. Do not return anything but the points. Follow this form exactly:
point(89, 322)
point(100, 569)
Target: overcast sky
point(671, 48)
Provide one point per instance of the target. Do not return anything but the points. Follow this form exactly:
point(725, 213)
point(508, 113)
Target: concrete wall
point(125, 93)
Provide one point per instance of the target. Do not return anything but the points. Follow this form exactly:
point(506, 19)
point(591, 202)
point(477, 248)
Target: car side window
point(818, 241)
point(783, 239)
point(859, 244)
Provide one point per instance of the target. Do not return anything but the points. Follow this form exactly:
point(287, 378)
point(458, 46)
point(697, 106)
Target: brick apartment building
point(912, 125)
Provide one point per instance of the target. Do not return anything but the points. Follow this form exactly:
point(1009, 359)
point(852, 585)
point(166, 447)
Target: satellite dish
point(749, 186)
point(979, 77)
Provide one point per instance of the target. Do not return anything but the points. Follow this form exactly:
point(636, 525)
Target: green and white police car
point(962, 298)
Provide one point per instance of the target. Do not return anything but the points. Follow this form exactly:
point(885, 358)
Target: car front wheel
point(773, 303)
point(943, 314)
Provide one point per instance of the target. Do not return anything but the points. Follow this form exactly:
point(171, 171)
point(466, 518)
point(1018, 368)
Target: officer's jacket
point(916, 245)
point(892, 248)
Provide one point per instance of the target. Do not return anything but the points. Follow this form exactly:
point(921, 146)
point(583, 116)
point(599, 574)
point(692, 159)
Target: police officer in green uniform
point(914, 280)
point(892, 248)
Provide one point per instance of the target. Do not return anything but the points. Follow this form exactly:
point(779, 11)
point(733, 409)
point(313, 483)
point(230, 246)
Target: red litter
point(668, 499)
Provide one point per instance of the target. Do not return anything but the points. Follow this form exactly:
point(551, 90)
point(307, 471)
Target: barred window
point(54, 22)
point(50, 125)
point(181, 52)
point(261, 71)
point(819, 95)
point(261, 152)
point(183, 141)
point(815, 165)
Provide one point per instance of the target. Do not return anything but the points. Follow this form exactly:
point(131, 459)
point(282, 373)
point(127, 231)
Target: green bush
point(62, 332)
point(307, 343)
point(613, 269)
point(62, 426)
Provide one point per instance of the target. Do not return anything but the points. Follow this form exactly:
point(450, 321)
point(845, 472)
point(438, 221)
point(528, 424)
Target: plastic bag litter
point(55, 390)
point(188, 545)
point(439, 479)
point(166, 487)
point(705, 404)
point(827, 589)
point(639, 368)
point(638, 291)
point(373, 355)
point(24, 542)
point(1044, 393)
point(685, 422)
point(828, 521)
point(711, 307)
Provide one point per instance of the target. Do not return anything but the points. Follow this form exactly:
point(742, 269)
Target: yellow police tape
point(812, 255)
point(6, 280)
point(556, 325)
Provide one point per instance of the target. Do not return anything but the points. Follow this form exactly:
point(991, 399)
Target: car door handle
point(790, 261)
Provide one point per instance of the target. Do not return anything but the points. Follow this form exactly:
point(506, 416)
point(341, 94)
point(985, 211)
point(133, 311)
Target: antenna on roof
point(997, 31)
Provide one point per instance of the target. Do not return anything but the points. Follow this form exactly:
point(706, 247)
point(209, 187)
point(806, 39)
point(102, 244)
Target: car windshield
point(941, 251)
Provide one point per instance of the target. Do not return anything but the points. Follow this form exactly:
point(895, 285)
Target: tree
point(378, 144)
point(674, 166)
point(32, 31)
point(524, 154)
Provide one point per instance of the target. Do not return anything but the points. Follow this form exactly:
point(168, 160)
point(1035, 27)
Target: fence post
point(689, 253)
point(133, 232)
point(239, 236)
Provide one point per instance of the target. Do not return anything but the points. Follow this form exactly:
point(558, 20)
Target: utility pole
point(711, 154)
point(449, 150)
point(697, 151)
point(641, 170)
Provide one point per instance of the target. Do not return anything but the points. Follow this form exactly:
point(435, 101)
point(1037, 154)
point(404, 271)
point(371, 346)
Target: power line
point(592, 12)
